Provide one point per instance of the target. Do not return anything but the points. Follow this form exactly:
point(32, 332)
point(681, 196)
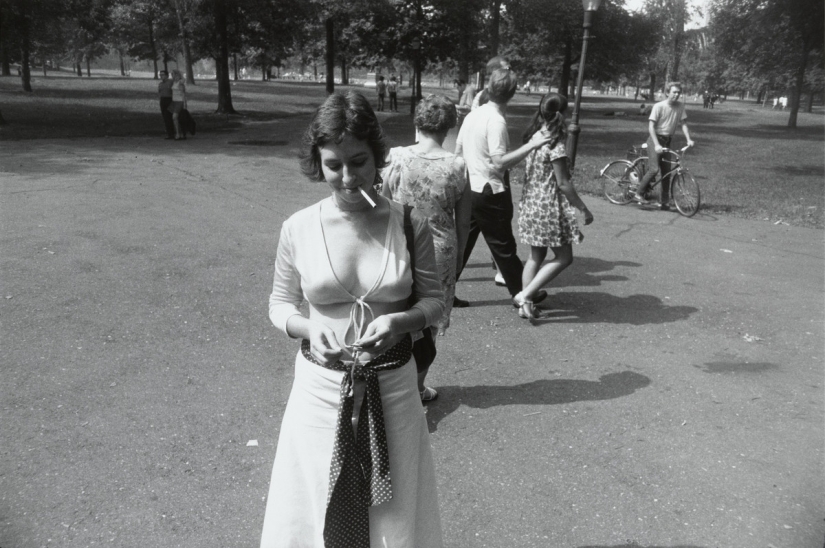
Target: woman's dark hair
point(435, 114)
point(338, 115)
point(550, 112)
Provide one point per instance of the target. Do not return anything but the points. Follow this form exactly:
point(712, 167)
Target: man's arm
point(651, 130)
point(687, 134)
point(503, 162)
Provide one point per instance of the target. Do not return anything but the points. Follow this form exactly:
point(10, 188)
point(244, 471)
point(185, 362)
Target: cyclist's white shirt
point(667, 118)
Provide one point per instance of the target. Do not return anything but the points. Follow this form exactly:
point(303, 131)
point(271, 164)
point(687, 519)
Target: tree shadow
point(540, 392)
point(764, 131)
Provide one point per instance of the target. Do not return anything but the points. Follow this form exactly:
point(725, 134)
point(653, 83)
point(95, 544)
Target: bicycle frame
point(677, 161)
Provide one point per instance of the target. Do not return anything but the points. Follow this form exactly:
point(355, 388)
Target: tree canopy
point(749, 45)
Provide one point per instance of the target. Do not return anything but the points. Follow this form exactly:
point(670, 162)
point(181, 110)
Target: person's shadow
point(584, 272)
point(540, 392)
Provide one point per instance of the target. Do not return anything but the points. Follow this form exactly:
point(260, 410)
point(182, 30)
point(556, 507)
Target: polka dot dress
point(359, 473)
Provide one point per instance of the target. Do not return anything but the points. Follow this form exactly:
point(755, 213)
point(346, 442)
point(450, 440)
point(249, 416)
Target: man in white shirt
point(483, 142)
point(664, 119)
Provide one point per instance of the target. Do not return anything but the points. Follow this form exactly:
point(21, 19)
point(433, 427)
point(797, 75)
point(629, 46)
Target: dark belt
point(359, 473)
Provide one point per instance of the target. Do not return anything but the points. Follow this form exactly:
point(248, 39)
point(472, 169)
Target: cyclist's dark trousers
point(493, 217)
point(655, 164)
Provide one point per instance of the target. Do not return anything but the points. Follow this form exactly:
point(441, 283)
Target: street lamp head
point(591, 5)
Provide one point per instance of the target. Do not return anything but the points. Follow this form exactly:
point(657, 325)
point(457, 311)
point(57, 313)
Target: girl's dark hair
point(339, 115)
point(550, 112)
point(435, 114)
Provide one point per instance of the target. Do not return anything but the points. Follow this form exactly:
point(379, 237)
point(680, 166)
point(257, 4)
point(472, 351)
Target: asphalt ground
point(673, 396)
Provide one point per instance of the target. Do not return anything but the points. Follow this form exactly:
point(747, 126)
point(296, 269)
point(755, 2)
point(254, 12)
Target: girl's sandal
point(428, 394)
point(526, 308)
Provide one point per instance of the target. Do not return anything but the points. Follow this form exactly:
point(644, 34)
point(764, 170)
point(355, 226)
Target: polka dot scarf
point(359, 473)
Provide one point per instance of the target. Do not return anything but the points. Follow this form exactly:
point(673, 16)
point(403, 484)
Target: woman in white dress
point(353, 467)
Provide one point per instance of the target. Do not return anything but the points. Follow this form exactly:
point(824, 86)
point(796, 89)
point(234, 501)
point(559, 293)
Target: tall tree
point(769, 36)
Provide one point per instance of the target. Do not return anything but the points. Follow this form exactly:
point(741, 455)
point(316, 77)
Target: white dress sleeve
point(287, 294)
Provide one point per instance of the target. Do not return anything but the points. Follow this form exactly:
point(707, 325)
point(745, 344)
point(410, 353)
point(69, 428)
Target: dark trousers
point(394, 101)
point(493, 218)
point(167, 116)
point(657, 163)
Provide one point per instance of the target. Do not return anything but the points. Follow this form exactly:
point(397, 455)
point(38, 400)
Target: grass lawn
point(746, 161)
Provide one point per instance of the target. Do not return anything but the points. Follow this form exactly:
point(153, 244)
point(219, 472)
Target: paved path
point(673, 397)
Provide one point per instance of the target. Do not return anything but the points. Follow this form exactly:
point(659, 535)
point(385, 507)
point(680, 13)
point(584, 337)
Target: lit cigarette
point(366, 196)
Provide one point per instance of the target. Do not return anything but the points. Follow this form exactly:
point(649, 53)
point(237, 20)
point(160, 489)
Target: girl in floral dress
point(434, 182)
point(546, 215)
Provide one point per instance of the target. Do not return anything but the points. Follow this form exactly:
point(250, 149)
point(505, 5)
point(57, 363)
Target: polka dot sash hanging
point(359, 473)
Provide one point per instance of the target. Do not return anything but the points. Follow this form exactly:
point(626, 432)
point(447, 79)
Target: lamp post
point(416, 83)
point(573, 130)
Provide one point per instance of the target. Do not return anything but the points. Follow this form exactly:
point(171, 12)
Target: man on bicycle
point(664, 118)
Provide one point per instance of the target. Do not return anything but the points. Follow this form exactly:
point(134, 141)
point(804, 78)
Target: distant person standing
point(664, 119)
point(706, 99)
point(381, 87)
point(165, 96)
point(392, 88)
point(178, 102)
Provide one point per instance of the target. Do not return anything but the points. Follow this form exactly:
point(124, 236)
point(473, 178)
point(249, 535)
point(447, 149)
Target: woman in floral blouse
point(434, 181)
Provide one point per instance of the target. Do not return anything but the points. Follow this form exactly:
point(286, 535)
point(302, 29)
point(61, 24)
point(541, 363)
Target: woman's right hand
point(323, 344)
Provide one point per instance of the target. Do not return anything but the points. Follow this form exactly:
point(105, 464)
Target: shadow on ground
point(634, 545)
point(598, 307)
point(541, 392)
point(584, 272)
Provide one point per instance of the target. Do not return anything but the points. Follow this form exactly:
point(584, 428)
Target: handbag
point(423, 348)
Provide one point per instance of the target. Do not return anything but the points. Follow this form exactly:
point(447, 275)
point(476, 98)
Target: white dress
point(296, 506)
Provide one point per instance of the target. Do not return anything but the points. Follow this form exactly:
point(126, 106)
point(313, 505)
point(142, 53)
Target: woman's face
point(348, 166)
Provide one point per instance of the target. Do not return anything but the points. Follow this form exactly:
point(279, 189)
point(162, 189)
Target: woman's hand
point(323, 344)
point(377, 337)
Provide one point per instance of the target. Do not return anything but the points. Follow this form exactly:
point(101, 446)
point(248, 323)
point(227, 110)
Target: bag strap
point(410, 234)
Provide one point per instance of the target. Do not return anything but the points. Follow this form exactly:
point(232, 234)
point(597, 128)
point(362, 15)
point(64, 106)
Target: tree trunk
point(330, 56)
point(25, 45)
point(5, 62)
point(165, 62)
point(800, 80)
point(122, 66)
point(344, 79)
point(153, 47)
point(809, 108)
point(79, 68)
point(678, 39)
point(224, 88)
point(45, 72)
point(184, 39)
point(235, 66)
point(494, 27)
point(88, 67)
point(564, 80)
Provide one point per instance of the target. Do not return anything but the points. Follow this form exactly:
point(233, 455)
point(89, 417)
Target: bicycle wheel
point(617, 180)
point(686, 195)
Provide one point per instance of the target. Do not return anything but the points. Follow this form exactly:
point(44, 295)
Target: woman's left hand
point(377, 337)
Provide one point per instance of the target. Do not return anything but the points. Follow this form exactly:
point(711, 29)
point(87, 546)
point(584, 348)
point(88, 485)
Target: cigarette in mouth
point(367, 197)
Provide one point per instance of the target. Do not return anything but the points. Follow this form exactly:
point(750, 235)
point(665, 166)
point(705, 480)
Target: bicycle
point(621, 178)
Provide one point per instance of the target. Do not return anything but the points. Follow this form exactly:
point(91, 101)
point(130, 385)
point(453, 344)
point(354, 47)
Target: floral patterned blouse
point(433, 184)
